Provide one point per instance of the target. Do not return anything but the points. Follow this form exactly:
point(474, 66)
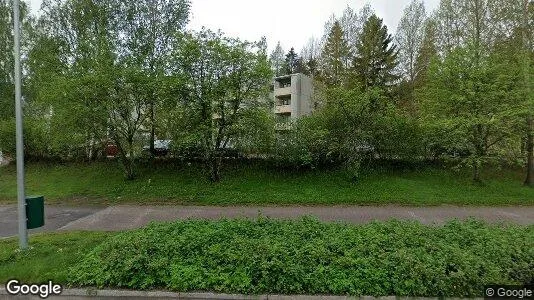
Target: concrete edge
point(126, 294)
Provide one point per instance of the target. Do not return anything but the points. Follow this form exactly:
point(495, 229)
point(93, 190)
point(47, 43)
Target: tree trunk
point(129, 163)
point(215, 174)
point(128, 169)
point(476, 173)
point(152, 131)
point(529, 181)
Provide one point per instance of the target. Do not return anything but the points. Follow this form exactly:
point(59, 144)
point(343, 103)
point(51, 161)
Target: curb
point(94, 294)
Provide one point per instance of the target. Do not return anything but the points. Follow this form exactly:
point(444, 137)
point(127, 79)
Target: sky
point(292, 22)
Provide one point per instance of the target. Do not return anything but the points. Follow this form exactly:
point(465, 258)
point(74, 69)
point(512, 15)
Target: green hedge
point(310, 257)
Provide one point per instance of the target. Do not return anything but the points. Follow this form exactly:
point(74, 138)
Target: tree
point(469, 103)
point(128, 111)
point(375, 59)
point(147, 31)
point(277, 60)
point(222, 79)
point(75, 39)
point(354, 119)
point(311, 55)
point(293, 63)
point(7, 87)
point(427, 52)
point(409, 37)
point(335, 57)
point(350, 25)
point(480, 26)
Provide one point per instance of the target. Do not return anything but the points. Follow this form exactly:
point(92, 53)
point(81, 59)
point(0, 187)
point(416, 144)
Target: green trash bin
point(34, 211)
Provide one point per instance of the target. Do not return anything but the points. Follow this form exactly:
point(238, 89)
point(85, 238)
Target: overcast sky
point(292, 22)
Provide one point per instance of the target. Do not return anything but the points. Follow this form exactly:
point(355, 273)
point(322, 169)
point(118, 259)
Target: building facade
point(292, 98)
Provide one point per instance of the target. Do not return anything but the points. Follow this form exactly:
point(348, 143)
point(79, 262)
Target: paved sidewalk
point(123, 217)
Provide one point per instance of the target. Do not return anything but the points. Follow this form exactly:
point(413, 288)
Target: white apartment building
point(292, 98)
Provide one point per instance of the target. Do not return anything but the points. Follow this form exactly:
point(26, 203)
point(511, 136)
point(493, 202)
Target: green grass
point(103, 183)
point(49, 258)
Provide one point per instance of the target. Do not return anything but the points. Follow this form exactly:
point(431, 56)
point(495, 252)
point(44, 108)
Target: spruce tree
point(376, 57)
point(335, 57)
point(427, 52)
point(277, 60)
point(293, 64)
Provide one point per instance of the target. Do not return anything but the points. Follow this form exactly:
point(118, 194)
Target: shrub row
point(310, 257)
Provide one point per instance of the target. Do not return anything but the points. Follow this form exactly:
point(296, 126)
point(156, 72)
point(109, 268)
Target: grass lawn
point(267, 256)
point(103, 183)
point(50, 256)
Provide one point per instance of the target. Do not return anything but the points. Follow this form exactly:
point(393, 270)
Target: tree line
point(454, 84)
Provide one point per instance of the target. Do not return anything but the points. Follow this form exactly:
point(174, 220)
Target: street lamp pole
point(23, 231)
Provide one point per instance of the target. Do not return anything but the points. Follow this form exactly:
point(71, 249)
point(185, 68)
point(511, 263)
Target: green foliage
point(293, 63)
point(399, 137)
point(310, 257)
point(37, 141)
point(427, 52)
point(223, 80)
point(335, 56)
point(376, 56)
point(470, 103)
point(255, 131)
point(7, 60)
point(7, 135)
point(410, 37)
point(277, 60)
point(363, 125)
point(305, 145)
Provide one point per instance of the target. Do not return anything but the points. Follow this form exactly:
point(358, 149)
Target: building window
point(284, 100)
point(283, 83)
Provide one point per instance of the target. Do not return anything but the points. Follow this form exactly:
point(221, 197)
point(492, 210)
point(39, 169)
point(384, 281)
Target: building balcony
point(282, 109)
point(283, 91)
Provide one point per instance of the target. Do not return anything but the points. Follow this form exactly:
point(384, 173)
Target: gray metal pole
point(23, 231)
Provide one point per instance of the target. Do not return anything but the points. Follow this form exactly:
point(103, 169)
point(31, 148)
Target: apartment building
point(292, 98)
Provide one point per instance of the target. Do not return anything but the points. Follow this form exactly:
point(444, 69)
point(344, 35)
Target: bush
point(310, 257)
point(36, 137)
point(305, 145)
point(7, 135)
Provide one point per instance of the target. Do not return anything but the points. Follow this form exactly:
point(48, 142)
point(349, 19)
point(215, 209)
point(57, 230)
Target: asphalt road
point(55, 218)
point(123, 217)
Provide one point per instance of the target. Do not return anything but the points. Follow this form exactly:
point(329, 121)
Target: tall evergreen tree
point(376, 57)
point(293, 63)
point(277, 60)
point(426, 53)
point(335, 57)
